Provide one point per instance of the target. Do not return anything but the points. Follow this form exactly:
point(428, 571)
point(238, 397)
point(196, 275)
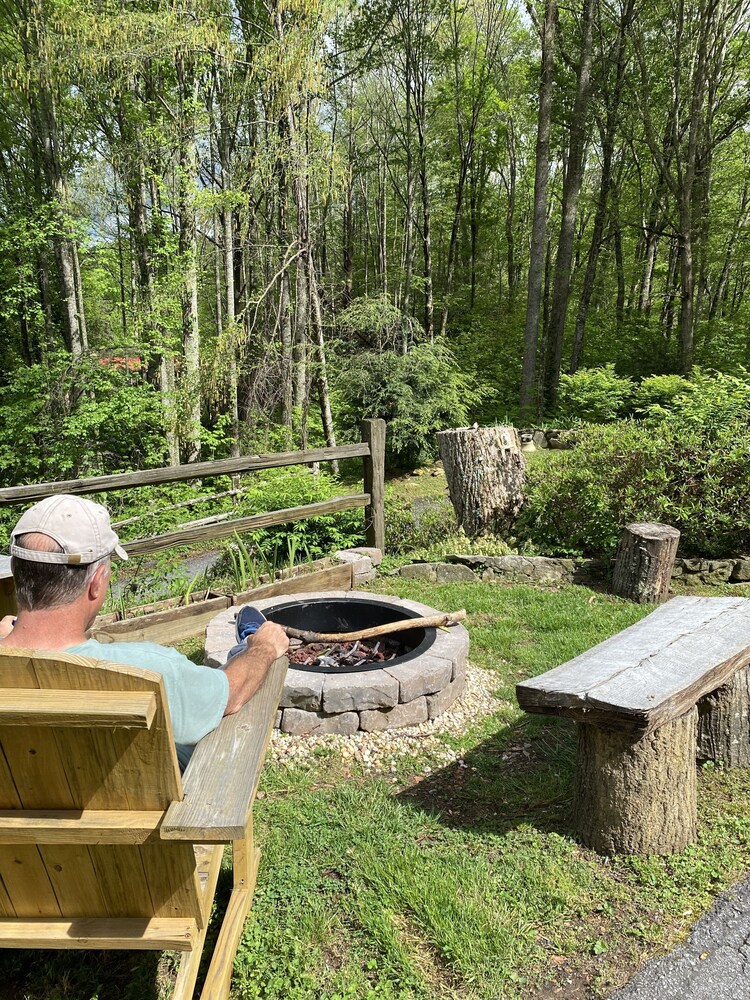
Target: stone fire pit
point(419, 686)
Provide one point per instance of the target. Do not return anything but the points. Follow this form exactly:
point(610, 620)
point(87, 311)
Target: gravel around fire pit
point(382, 751)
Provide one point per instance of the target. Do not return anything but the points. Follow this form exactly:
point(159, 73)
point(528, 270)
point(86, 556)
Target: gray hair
point(42, 586)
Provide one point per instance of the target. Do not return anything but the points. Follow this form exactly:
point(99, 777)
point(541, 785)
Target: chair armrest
point(222, 776)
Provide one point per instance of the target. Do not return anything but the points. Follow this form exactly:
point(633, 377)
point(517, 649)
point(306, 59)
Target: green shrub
point(714, 402)
point(65, 419)
point(319, 536)
point(593, 395)
point(658, 393)
point(408, 529)
point(417, 393)
point(579, 501)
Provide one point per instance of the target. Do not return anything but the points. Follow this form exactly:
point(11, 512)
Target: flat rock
point(426, 675)
point(409, 714)
point(360, 564)
point(454, 573)
point(302, 689)
point(741, 571)
point(440, 701)
point(420, 571)
point(363, 690)
point(300, 723)
point(374, 555)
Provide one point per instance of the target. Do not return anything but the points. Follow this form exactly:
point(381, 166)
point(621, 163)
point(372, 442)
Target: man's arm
point(245, 673)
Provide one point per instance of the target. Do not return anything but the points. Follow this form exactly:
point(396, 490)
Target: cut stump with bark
point(724, 723)
point(644, 562)
point(637, 794)
point(486, 472)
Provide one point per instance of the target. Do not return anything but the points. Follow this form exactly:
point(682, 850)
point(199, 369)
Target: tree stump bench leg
point(637, 794)
point(724, 723)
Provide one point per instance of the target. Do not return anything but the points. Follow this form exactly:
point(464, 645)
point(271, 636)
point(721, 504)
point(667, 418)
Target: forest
point(234, 226)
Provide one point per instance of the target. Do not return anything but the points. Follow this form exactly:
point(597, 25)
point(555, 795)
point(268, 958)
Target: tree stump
point(486, 472)
point(644, 562)
point(637, 794)
point(724, 723)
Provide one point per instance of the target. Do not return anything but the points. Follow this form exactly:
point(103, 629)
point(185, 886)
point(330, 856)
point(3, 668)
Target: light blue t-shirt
point(196, 695)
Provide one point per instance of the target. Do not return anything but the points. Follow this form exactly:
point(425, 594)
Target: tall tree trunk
point(608, 141)
point(571, 190)
point(539, 224)
point(190, 399)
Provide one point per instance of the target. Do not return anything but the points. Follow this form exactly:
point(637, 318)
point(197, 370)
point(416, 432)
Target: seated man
point(61, 550)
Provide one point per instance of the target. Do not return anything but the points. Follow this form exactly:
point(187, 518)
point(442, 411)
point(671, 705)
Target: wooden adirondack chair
point(97, 829)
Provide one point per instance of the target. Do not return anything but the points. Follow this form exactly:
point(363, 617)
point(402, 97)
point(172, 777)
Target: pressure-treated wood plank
point(77, 889)
point(172, 878)
point(157, 934)
point(187, 973)
point(79, 709)
point(219, 975)
point(181, 473)
point(27, 882)
point(102, 763)
point(654, 670)
point(186, 536)
point(87, 826)
point(222, 777)
point(171, 625)
point(333, 578)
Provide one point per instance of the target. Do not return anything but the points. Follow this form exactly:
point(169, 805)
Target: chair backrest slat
point(62, 766)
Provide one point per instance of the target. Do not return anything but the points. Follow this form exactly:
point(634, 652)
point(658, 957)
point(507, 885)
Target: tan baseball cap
point(79, 526)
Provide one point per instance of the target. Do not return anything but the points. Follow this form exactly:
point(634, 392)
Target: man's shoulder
point(139, 654)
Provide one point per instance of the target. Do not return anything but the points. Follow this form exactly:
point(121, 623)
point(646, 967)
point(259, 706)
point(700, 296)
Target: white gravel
point(382, 751)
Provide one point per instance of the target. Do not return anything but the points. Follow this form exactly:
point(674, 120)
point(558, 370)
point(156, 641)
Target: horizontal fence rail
point(182, 473)
point(224, 529)
point(371, 449)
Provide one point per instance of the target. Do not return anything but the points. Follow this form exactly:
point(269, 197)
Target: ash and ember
point(332, 656)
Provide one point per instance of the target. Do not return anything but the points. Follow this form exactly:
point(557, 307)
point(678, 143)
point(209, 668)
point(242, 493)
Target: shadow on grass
point(522, 774)
point(103, 975)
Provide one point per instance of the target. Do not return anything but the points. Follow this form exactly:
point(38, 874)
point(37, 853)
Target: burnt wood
point(652, 672)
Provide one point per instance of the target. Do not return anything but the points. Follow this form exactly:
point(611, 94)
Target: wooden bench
point(647, 702)
point(102, 843)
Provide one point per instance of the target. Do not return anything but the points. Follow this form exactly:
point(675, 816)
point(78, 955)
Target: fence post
point(373, 433)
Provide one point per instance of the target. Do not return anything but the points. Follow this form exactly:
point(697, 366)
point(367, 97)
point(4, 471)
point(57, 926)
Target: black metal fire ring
point(351, 619)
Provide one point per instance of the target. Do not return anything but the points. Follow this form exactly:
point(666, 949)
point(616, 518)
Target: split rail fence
point(371, 450)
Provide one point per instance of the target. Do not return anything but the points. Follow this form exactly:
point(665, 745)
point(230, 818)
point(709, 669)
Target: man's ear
point(99, 582)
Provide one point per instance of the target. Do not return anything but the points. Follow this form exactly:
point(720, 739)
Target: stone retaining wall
point(547, 570)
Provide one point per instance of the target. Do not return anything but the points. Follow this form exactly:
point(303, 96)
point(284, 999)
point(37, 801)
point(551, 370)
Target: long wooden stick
point(436, 621)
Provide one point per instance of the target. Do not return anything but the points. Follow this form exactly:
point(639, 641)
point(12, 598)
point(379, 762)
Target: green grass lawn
point(459, 881)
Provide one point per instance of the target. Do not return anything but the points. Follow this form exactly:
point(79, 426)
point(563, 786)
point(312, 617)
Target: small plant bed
point(439, 863)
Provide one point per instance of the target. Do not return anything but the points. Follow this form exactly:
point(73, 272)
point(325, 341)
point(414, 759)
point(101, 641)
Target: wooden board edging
point(187, 621)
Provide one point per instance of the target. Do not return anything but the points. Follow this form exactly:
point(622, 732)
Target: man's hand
point(246, 671)
point(273, 636)
point(7, 623)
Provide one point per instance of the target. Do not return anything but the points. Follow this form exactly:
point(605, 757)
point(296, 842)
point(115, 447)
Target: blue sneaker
point(249, 620)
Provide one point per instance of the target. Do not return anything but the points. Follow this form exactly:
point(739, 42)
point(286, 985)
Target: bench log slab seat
point(640, 700)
